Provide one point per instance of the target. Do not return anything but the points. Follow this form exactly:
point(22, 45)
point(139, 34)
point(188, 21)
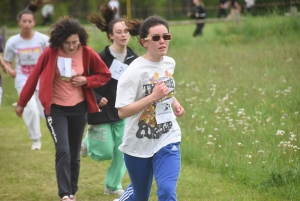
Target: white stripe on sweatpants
point(126, 194)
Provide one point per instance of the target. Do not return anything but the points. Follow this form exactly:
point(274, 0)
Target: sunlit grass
point(239, 85)
point(242, 97)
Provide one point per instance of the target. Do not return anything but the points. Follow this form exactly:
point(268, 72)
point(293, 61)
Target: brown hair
point(106, 21)
point(31, 8)
point(141, 28)
point(63, 29)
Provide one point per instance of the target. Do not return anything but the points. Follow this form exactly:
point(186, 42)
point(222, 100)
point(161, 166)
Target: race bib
point(65, 67)
point(164, 112)
point(117, 69)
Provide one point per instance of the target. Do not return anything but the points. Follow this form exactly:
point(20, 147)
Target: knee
point(62, 153)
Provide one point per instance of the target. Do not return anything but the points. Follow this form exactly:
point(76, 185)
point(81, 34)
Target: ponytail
point(31, 8)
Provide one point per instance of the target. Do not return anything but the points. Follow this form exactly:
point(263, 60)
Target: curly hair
point(106, 21)
point(141, 28)
point(63, 29)
point(31, 8)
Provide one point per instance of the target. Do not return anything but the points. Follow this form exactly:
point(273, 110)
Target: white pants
point(32, 114)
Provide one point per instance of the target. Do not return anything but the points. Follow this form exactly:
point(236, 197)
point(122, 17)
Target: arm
point(2, 64)
point(178, 109)
point(32, 80)
point(101, 74)
point(7, 65)
point(7, 68)
point(159, 91)
point(96, 74)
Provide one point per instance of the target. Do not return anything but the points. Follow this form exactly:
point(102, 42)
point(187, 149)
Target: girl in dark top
point(199, 14)
point(106, 129)
point(223, 4)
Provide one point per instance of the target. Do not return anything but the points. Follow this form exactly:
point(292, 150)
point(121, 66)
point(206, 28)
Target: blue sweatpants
point(163, 165)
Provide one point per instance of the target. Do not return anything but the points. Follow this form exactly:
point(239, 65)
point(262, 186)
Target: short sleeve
point(9, 54)
point(46, 41)
point(127, 89)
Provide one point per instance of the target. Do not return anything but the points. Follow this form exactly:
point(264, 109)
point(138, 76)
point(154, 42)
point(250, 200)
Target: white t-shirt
point(26, 53)
point(249, 3)
point(115, 4)
point(47, 9)
point(143, 137)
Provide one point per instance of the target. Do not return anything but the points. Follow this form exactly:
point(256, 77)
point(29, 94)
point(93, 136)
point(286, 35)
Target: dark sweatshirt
point(109, 113)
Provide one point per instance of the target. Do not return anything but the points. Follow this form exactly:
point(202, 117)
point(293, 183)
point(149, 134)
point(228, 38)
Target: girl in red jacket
point(66, 94)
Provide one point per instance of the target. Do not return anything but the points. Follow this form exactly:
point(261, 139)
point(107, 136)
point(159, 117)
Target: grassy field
point(239, 84)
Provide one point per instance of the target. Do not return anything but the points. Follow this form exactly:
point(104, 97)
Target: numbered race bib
point(65, 67)
point(28, 58)
point(164, 112)
point(117, 69)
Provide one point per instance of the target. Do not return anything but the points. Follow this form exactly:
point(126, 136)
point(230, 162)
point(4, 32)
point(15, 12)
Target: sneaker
point(72, 198)
point(116, 192)
point(36, 146)
point(116, 199)
point(83, 149)
point(65, 198)
point(14, 104)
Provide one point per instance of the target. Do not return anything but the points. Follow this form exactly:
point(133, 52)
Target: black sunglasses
point(157, 37)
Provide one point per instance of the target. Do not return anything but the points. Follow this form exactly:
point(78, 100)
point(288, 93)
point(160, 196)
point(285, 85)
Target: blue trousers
point(163, 165)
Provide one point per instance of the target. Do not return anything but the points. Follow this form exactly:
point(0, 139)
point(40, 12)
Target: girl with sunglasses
point(25, 48)
point(106, 129)
point(145, 96)
point(66, 95)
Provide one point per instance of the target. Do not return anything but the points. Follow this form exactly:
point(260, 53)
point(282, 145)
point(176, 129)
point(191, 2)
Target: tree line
point(170, 9)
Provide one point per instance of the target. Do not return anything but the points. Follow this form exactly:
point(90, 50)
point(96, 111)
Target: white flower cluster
point(280, 132)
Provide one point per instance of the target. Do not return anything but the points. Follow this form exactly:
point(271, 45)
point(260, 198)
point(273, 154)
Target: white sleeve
point(127, 89)
point(9, 54)
point(46, 43)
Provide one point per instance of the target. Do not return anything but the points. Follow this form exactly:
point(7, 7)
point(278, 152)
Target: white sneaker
point(72, 198)
point(83, 149)
point(65, 198)
point(36, 146)
point(116, 192)
point(116, 199)
point(14, 104)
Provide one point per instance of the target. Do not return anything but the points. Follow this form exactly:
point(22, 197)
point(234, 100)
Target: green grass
point(239, 85)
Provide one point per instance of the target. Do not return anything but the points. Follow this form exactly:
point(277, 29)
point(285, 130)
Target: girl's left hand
point(178, 110)
point(78, 81)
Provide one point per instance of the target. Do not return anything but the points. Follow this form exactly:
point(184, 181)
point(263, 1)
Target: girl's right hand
point(11, 72)
point(19, 110)
point(103, 102)
point(159, 91)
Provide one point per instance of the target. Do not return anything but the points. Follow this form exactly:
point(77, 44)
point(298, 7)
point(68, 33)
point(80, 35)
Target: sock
point(36, 140)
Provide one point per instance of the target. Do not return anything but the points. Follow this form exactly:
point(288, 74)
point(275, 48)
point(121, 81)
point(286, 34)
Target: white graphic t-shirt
point(156, 126)
point(26, 53)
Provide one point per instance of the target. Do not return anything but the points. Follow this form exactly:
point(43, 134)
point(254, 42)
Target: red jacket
point(45, 70)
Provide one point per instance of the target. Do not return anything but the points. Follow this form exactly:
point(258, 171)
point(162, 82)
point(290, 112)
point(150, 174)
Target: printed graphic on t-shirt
point(28, 58)
point(148, 126)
